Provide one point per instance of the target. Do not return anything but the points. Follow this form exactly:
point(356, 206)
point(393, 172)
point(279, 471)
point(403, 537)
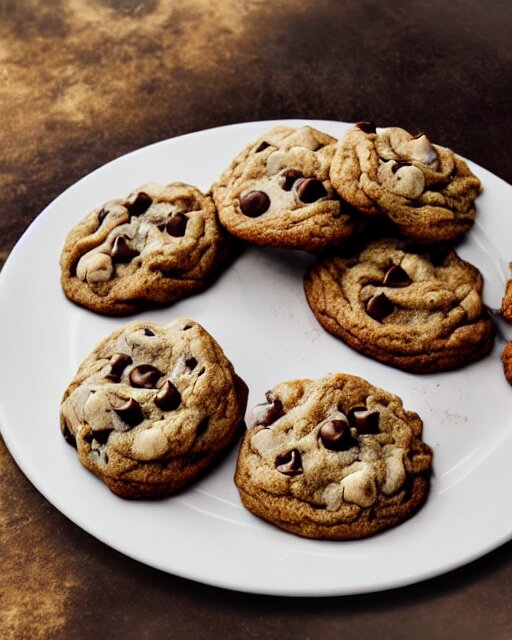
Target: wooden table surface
point(84, 82)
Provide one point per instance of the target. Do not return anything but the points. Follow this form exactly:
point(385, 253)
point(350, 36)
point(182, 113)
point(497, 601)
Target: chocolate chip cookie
point(506, 358)
point(333, 458)
point(506, 307)
point(424, 189)
point(151, 408)
point(414, 307)
point(277, 192)
point(157, 246)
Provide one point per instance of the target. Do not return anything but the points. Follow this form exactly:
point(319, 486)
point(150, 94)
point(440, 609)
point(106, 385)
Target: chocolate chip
point(268, 412)
point(148, 332)
point(396, 277)
point(289, 463)
point(365, 421)
point(379, 306)
point(187, 327)
point(310, 190)
point(140, 205)
point(130, 412)
point(261, 147)
point(288, 179)
point(168, 398)
point(118, 363)
point(335, 435)
point(366, 127)
point(144, 376)
point(68, 436)
point(191, 363)
point(418, 135)
point(177, 225)
point(121, 250)
point(254, 203)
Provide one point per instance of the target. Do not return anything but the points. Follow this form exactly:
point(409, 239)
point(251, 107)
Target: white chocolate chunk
point(94, 266)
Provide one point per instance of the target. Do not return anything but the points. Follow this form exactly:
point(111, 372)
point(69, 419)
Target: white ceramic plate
point(258, 313)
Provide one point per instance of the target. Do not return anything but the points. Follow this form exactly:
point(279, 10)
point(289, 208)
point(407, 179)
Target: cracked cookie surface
point(156, 246)
point(277, 192)
point(415, 308)
point(333, 458)
point(424, 189)
point(152, 407)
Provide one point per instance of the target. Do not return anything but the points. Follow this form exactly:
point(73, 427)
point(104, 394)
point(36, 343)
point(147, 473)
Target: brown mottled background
point(82, 82)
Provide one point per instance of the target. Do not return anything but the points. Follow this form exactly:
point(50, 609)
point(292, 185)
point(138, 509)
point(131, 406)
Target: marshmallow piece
point(359, 488)
point(395, 472)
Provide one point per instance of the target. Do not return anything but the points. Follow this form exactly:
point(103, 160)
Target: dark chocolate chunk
point(144, 376)
point(288, 179)
point(168, 398)
point(177, 225)
point(310, 190)
point(364, 420)
point(367, 127)
point(272, 410)
point(148, 332)
point(68, 436)
point(130, 412)
point(262, 146)
point(140, 205)
point(118, 363)
point(396, 277)
point(121, 250)
point(379, 306)
point(254, 203)
point(335, 435)
point(399, 165)
point(289, 463)
point(191, 363)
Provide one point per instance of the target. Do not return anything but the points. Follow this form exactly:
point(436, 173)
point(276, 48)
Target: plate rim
point(18, 456)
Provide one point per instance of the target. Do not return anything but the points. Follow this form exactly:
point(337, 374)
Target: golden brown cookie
point(157, 246)
point(506, 306)
point(423, 188)
point(506, 358)
point(415, 308)
point(277, 192)
point(333, 458)
point(151, 408)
